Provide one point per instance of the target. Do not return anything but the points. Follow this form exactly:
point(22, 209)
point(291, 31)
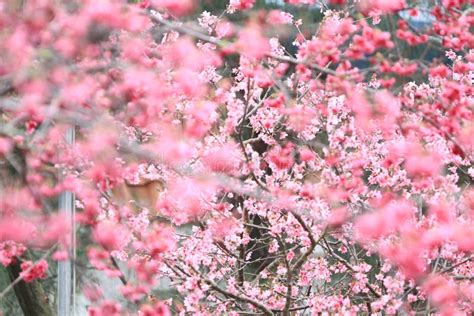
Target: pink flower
point(223, 228)
point(38, 271)
point(134, 293)
point(159, 309)
point(189, 83)
point(224, 29)
point(92, 292)
point(407, 256)
point(423, 164)
point(200, 119)
point(338, 217)
point(252, 44)
point(5, 145)
point(387, 220)
point(242, 4)
point(440, 291)
point(463, 237)
point(382, 5)
point(172, 147)
point(307, 155)
point(186, 199)
point(282, 157)
point(61, 255)
point(275, 103)
point(349, 141)
point(108, 308)
point(370, 226)
point(279, 17)
point(178, 8)
point(158, 240)
point(111, 236)
point(300, 1)
point(442, 211)
point(299, 118)
point(9, 250)
point(222, 158)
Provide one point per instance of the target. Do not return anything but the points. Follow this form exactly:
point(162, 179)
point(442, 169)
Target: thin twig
point(313, 241)
point(241, 298)
point(448, 269)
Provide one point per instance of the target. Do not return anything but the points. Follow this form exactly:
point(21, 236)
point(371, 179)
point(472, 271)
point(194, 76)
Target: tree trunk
point(31, 296)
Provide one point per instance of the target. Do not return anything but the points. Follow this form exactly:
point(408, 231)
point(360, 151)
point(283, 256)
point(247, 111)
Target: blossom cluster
point(266, 165)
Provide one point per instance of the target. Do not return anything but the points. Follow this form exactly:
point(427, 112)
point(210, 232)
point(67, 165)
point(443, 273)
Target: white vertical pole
point(66, 271)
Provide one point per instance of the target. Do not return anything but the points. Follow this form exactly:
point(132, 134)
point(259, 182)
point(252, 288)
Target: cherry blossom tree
point(328, 175)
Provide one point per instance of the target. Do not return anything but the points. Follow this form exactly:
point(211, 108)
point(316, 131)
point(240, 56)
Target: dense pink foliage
point(336, 179)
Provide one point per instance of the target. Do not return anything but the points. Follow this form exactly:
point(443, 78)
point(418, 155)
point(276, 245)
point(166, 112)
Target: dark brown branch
point(155, 16)
point(241, 298)
point(116, 266)
point(289, 278)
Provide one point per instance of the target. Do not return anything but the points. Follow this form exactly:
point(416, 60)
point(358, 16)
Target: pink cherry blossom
point(313, 157)
point(32, 271)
